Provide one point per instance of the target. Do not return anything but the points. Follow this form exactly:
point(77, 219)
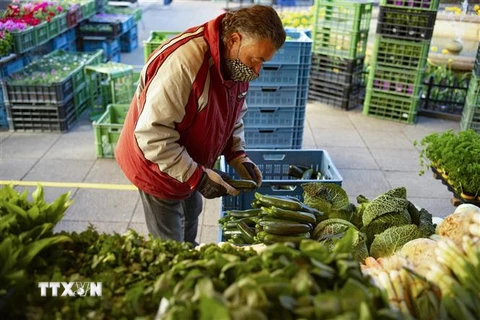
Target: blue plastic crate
point(273, 117)
point(116, 56)
point(283, 74)
point(277, 96)
point(274, 165)
point(269, 138)
point(287, 2)
point(130, 34)
point(3, 116)
point(109, 47)
point(297, 50)
point(10, 66)
point(71, 36)
point(129, 46)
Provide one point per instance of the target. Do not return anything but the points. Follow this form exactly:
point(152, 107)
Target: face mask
point(239, 71)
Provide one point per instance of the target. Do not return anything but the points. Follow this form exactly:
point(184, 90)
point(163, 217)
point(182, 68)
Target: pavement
point(372, 155)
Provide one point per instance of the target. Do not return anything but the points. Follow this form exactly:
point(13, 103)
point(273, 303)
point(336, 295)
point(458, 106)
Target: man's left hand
point(247, 170)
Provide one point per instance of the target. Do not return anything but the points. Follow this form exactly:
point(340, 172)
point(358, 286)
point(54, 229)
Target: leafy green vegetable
point(328, 198)
point(392, 201)
point(384, 222)
point(388, 242)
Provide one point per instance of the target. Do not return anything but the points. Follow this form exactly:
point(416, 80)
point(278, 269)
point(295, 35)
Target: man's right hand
point(211, 185)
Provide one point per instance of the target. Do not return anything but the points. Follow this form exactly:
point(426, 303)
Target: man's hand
point(212, 185)
point(247, 170)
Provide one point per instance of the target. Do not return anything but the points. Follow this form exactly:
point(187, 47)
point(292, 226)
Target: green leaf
point(55, 211)
point(32, 249)
point(38, 196)
point(36, 232)
point(211, 308)
point(388, 242)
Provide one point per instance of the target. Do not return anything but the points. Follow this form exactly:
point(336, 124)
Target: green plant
point(6, 41)
point(432, 149)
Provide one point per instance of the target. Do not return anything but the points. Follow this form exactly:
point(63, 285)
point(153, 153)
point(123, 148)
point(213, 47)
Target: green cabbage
point(388, 242)
point(392, 201)
point(386, 221)
point(328, 198)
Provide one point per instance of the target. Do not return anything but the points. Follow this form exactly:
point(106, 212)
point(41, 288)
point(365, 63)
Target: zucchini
point(286, 229)
point(272, 238)
point(244, 213)
point(242, 184)
point(247, 233)
point(307, 174)
point(270, 221)
point(255, 204)
point(299, 216)
point(271, 201)
point(294, 171)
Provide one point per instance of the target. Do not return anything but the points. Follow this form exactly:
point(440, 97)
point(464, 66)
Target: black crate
point(48, 118)
point(476, 68)
point(55, 93)
point(336, 69)
point(346, 97)
point(406, 24)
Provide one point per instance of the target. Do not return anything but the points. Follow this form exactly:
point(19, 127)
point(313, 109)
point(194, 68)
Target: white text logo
point(71, 289)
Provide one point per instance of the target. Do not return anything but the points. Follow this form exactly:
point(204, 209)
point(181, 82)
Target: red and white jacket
point(183, 116)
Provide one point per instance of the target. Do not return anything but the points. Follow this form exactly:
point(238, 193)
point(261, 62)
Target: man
point(187, 111)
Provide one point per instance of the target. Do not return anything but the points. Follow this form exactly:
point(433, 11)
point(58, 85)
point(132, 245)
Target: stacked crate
point(277, 99)
point(52, 107)
point(108, 32)
point(340, 34)
point(397, 68)
point(471, 111)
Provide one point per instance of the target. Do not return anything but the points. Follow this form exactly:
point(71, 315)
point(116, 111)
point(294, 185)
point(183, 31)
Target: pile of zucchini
point(271, 219)
point(301, 172)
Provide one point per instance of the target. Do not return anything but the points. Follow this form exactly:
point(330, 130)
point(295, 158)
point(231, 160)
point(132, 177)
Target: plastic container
point(395, 81)
point(107, 129)
point(401, 54)
point(343, 16)
point(346, 96)
point(24, 40)
point(473, 94)
point(336, 70)
point(430, 5)
point(410, 24)
point(347, 44)
point(391, 107)
point(156, 39)
point(283, 74)
point(45, 118)
point(296, 50)
point(274, 165)
point(273, 117)
point(470, 118)
point(277, 96)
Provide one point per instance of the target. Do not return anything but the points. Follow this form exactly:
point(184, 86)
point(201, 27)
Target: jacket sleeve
point(236, 144)
point(164, 105)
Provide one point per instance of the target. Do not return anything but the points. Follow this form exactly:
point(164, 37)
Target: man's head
point(250, 37)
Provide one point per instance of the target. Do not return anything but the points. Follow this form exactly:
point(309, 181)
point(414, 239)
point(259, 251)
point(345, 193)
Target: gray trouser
point(172, 219)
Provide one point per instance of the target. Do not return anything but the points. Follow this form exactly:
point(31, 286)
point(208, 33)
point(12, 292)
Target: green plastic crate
point(390, 107)
point(156, 39)
point(405, 55)
point(350, 45)
point(395, 81)
point(88, 9)
point(110, 83)
point(430, 5)
point(344, 16)
point(107, 129)
point(470, 118)
point(473, 94)
point(24, 40)
point(81, 97)
point(41, 33)
point(135, 12)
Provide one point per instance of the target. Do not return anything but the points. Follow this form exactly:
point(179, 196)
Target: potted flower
point(6, 43)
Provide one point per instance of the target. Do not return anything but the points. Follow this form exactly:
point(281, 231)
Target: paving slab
point(337, 138)
point(59, 170)
point(397, 159)
point(209, 234)
point(211, 214)
point(438, 207)
point(49, 194)
point(418, 186)
point(100, 226)
point(73, 145)
point(27, 145)
point(106, 171)
point(352, 158)
point(4, 135)
point(366, 123)
point(15, 168)
point(102, 205)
